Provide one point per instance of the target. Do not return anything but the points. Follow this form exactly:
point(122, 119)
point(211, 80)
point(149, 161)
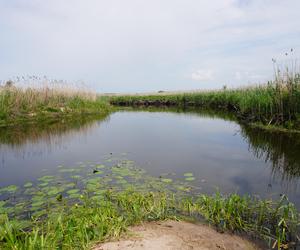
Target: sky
point(148, 45)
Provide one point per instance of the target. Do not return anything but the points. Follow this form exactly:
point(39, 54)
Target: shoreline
point(177, 235)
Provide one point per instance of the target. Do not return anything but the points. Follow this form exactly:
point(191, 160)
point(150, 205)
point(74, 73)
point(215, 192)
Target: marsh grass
point(19, 102)
point(79, 207)
point(81, 225)
point(275, 103)
point(278, 223)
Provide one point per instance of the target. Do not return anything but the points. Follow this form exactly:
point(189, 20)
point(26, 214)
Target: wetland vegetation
point(76, 207)
point(43, 103)
point(93, 202)
point(275, 104)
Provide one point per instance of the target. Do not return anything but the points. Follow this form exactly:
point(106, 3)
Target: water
point(219, 152)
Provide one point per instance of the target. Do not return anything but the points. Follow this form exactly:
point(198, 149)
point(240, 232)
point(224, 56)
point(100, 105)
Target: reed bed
point(274, 103)
point(49, 99)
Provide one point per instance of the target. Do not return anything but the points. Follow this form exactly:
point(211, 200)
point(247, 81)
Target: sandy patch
point(174, 235)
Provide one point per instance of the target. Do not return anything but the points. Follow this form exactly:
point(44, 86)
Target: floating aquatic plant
point(71, 211)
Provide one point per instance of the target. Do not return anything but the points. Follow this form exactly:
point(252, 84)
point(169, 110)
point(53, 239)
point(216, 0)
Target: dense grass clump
point(275, 103)
point(81, 225)
point(23, 104)
point(277, 223)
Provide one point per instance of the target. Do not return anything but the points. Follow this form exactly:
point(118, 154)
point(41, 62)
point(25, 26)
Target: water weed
point(75, 213)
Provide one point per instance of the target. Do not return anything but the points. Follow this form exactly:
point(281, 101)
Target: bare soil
point(174, 235)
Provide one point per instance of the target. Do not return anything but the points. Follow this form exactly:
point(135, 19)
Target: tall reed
point(19, 101)
point(274, 103)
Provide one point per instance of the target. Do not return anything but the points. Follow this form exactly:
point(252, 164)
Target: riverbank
point(82, 206)
point(81, 225)
point(272, 105)
point(264, 105)
point(177, 235)
point(77, 214)
point(43, 105)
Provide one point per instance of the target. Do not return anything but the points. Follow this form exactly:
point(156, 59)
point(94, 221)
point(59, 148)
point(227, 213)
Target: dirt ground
point(174, 235)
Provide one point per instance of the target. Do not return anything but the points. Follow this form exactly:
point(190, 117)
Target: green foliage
point(277, 222)
point(67, 211)
point(80, 225)
point(21, 105)
point(276, 103)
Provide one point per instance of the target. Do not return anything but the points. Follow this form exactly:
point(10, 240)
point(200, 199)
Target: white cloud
point(250, 77)
point(238, 75)
point(150, 44)
point(203, 75)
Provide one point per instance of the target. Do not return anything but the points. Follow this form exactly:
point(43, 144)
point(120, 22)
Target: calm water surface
point(219, 152)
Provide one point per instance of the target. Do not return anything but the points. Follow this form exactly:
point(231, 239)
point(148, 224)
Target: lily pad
point(43, 184)
point(54, 191)
point(9, 189)
point(68, 185)
point(188, 174)
point(100, 166)
point(166, 180)
point(46, 178)
point(37, 204)
point(190, 178)
point(73, 191)
point(75, 176)
point(28, 185)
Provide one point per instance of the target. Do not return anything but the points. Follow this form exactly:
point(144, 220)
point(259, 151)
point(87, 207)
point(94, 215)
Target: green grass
point(81, 225)
point(23, 105)
point(75, 208)
point(276, 103)
point(276, 223)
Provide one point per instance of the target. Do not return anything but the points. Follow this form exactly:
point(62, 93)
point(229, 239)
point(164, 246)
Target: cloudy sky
point(147, 45)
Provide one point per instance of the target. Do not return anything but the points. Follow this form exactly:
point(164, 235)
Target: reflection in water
point(204, 113)
point(282, 150)
point(29, 140)
point(17, 136)
point(203, 142)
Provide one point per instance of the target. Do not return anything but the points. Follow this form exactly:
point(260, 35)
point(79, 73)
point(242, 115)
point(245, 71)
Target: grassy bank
point(276, 103)
point(18, 105)
point(81, 225)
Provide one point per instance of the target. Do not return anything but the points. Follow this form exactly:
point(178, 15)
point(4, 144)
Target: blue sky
point(140, 46)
